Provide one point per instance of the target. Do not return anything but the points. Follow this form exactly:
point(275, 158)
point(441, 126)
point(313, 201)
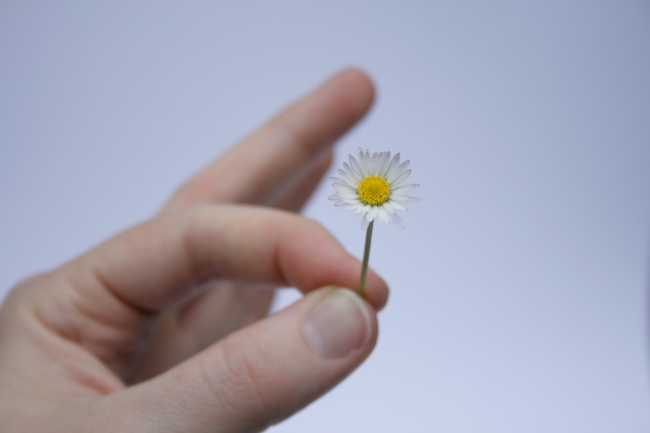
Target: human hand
point(163, 328)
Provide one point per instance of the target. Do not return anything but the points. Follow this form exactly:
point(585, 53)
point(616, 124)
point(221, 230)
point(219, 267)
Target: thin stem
point(366, 256)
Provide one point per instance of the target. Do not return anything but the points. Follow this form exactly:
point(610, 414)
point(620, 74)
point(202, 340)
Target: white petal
point(402, 190)
point(357, 167)
point(348, 178)
point(348, 197)
point(392, 166)
point(351, 172)
point(383, 216)
point(372, 214)
point(358, 216)
point(368, 162)
point(363, 161)
point(399, 198)
point(397, 220)
point(374, 164)
point(398, 205)
point(364, 224)
point(405, 199)
point(349, 206)
point(342, 186)
point(382, 165)
point(360, 209)
point(360, 156)
point(401, 178)
point(389, 207)
point(345, 185)
point(340, 181)
point(398, 171)
point(347, 194)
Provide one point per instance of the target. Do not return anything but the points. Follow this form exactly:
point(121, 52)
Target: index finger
point(269, 161)
point(157, 264)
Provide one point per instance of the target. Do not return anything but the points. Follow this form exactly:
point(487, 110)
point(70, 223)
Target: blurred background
point(520, 284)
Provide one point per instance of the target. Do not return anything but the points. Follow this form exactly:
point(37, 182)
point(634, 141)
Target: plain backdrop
point(520, 284)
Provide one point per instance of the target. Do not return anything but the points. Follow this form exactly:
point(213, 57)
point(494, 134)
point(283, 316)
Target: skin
point(165, 327)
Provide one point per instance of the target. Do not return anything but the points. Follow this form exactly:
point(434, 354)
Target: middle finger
point(275, 157)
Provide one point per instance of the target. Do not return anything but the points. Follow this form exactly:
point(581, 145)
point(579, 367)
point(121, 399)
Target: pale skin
point(165, 327)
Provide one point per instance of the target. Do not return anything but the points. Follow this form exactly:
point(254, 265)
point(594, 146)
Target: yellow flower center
point(374, 190)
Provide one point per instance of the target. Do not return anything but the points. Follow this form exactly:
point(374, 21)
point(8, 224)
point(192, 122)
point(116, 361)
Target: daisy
point(371, 187)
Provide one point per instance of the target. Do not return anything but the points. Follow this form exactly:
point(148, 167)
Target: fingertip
point(339, 324)
point(377, 291)
point(311, 257)
point(356, 87)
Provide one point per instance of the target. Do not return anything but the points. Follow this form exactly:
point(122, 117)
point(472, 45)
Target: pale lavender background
point(519, 287)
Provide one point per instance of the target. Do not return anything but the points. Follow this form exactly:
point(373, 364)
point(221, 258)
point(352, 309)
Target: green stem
point(366, 256)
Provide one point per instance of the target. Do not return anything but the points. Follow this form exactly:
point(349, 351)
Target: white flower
point(371, 188)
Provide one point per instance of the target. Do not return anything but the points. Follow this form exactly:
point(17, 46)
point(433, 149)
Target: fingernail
point(337, 325)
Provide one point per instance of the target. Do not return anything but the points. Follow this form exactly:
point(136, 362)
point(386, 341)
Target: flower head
point(371, 188)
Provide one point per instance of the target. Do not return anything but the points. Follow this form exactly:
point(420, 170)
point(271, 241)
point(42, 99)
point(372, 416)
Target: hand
point(164, 328)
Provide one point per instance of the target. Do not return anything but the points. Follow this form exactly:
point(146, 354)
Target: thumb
point(259, 375)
